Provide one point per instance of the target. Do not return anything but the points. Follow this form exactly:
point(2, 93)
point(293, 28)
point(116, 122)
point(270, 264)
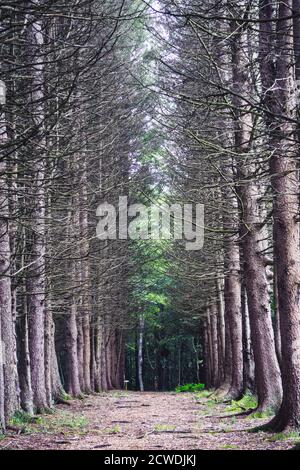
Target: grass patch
point(189, 388)
point(63, 422)
point(211, 402)
point(229, 446)
point(208, 406)
point(21, 418)
point(285, 436)
point(74, 422)
point(261, 414)
point(112, 430)
point(203, 394)
point(246, 403)
point(227, 429)
point(164, 427)
point(119, 394)
point(64, 397)
point(24, 421)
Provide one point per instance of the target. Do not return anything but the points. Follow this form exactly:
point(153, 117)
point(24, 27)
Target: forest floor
point(136, 421)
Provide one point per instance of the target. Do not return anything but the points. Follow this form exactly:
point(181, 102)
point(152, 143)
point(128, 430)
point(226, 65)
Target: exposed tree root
point(239, 413)
point(278, 424)
point(62, 401)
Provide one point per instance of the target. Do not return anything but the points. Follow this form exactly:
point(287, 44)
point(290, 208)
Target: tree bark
point(103, 360)
point(277, 317)
point(221, 332)
point(48, 352)
point(268, 378)
point(57, 390)
point(233, 314)
point(214, 341)
point(85, 285)
point(140, 352)
point(108, 359)
point(73, 382)
point(6, 315)
point(233, 384)
point(280, 100)
point(2, 413)
point(35, 279)
point(24, 369)
point(249, 367)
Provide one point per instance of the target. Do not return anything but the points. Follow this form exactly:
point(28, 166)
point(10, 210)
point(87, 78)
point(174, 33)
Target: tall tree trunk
point(277, 317)
point(48, 352)
point(140, 352)
point(214, 340)
point(112, 356)
point(35, 279)
point(57, 390)
point(205, 353)
point(221, 332)
point(228, 361)
point(80, 341)
point(24, 369)
point(73, 382)
point(233, 382)
point(249, 368)
point(285, 184)
point(233, 315)
point(120, 365)
point(268, 378)
point(104, 383)
point(85, 285)
point(98, 352)
point(2, 413)
point(108, 358)
point(73, 385)
point(93, 353)
point(6, 315)
point(210, 360)
point(26, 394)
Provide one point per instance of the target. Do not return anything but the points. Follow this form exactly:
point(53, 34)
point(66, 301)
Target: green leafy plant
point(246, 403)
point(189, 388)
point(21, 418)
point(75, 422)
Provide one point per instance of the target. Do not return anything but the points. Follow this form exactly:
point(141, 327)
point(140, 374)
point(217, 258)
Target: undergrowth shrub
point(247, 402)
point(189, 388)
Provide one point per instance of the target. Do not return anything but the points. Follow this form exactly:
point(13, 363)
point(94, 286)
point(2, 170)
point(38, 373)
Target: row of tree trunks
point(61, 323)
point(274, 348)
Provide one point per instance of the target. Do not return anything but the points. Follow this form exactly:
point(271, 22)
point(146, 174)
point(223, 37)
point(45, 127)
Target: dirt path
point(133, 421)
